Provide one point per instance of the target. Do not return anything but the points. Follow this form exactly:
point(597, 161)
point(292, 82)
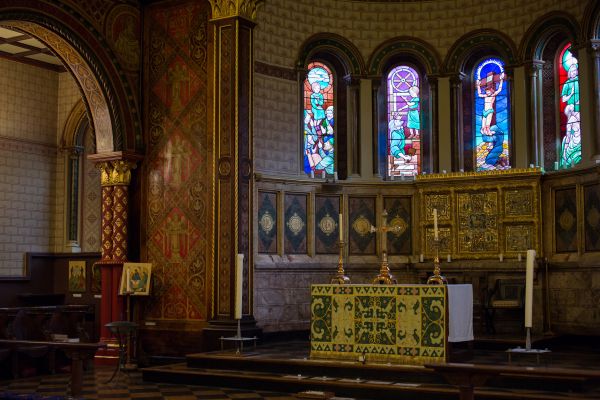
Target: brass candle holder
point(437, 278)
point(340, 278)
point(384, 277)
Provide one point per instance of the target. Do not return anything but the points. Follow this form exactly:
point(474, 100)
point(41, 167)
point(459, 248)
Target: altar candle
point(435, 227)
point(501, 256)
point(335, 176)
point(519, 257)
point(340, 226)
point(529, 288)
point(239, 279)
point(449, 258)
point(421, 257)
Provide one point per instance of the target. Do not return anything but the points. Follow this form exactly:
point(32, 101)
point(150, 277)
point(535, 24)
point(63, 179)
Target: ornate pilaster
point(535, 123)
point(73, 168)
point(456, 121)
point(353, 85)
point(594, 49)
point(232, 28)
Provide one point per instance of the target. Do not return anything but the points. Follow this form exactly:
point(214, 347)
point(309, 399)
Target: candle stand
point(340, 277)
point(238, 339)
point(436, 278)
point(384, 277)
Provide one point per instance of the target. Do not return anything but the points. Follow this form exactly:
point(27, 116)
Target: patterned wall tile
point(518, 238)
point(327, 233)
point(267, 222)
point(399, 211)
point(362, 217)
point(295, 224)
point(591, 221)
point(565, 220)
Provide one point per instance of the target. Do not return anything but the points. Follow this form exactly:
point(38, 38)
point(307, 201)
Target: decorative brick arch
point(415, 48)
point(85, 54)
point(470, 43)
point(335, 44)
point(543, 29)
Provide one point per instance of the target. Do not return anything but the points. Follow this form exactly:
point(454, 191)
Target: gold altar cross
point(384, 277)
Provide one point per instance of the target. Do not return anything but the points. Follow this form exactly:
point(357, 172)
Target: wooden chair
point(507, 294)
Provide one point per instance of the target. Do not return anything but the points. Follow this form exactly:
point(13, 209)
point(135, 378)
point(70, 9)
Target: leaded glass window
point(492, 116)
point(570, 134)
point(404, 122)
point(318, 122)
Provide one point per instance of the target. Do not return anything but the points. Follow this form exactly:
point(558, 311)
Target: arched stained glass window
point(568, 86)
point(492, 112)
point(319, 127)
point(404, 121)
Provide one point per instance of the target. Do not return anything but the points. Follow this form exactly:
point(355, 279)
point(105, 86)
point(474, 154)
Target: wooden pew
point(469, 376)
point(77, 352)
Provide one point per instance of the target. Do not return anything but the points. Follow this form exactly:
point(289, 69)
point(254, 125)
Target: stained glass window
point(404, 121)
point(568, 81)
point(492, 111)
point(319, 127)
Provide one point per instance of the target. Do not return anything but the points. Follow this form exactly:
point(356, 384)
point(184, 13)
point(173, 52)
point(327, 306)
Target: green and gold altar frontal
point(403, 324)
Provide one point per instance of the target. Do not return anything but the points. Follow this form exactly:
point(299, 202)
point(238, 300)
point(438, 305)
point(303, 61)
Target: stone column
point(232, 26)
point(434, 123)
point(535, 131)
point(595, 53)
point(456, 122)
point(377, 169)
point(353, 85)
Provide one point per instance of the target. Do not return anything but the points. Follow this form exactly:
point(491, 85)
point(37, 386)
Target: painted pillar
point(232, 26)
point(535, 131)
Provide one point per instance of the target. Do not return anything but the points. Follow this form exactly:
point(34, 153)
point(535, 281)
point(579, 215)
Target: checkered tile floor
point(124, 386)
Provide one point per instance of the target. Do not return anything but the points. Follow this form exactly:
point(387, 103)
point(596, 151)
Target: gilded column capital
point(234, 8)
point(121, 172)
point(105, 173)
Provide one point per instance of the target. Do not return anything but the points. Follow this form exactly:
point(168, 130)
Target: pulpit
point(401, 324)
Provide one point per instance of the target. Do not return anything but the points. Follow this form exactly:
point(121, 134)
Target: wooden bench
point(469, 376)
point(77, 352)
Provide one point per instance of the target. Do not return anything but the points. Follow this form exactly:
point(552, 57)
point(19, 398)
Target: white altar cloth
point(460, 313)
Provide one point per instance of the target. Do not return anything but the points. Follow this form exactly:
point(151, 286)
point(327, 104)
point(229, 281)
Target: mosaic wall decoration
point(399, 210)
point(591, 217)
point(403, 324)
point(327, 224)
point(362, 217)
point(267, 222)
point(565, 220)
point(178, 174)
point(295, 224)
point(518, 203)
point(477, 222)
point(518, 238)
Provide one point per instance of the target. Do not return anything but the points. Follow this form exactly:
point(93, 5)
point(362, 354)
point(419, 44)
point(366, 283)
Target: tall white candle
point(519, 257)
point(340, 225)
point(435, 227)
point(449, 259)
point(501, 257)
point(421, 258)
point(239, 279)
point(529, 288)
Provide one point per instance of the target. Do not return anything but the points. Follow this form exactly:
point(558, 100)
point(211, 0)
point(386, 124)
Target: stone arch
point(422, 52)
point(543, 29)
point(590, 27)
point(336, 46)
point(76, 121)
point(472, 42)
point(93, 66)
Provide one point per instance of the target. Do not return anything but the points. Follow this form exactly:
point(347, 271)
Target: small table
point(123, 330)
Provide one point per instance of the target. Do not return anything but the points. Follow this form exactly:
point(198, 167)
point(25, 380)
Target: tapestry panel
point(267, 222)
point(565, 220)
point(591, 217)
point(295, 224)
point(403, 324)
point(178, 163)
point(399, 210)
point(327, 224)
point(362, 218)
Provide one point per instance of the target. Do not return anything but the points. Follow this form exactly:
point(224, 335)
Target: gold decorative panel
point(481, 214)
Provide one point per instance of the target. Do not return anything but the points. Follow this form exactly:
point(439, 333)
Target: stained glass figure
point(404, 122)
point(492, 127)
point(570, 134)
point(319, 127)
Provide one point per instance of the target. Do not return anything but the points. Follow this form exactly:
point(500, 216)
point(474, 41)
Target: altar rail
point(404, 324)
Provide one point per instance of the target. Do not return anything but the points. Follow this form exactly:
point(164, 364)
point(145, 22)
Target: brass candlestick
point(384, 277)
point(436, 278)
point(340, 278)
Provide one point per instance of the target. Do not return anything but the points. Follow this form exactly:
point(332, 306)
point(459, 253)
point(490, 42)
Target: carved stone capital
point(116, 172)
point(351, 80)
point(595, 48)
point(234, 8)
point(533, 67)
point(457, 79)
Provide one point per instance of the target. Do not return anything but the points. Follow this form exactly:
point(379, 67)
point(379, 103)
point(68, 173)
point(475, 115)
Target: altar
point(401, 324)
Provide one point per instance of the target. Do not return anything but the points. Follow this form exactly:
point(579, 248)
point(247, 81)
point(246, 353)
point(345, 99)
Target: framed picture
point(76, 276)
point(135, 279)
point(96, 280)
